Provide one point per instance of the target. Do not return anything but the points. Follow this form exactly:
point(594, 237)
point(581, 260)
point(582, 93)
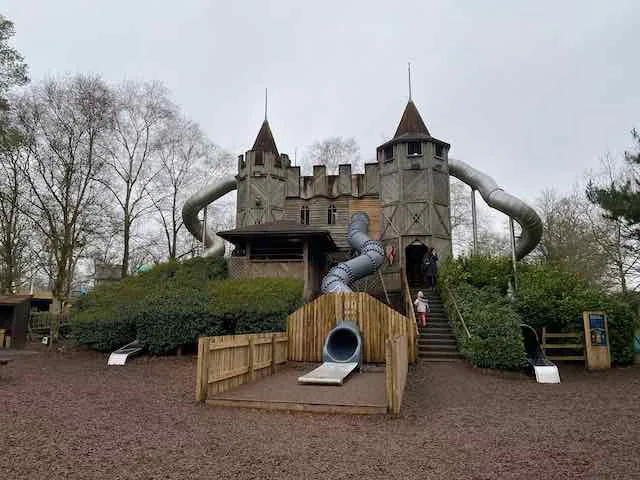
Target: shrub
point(494, 325)
point(548, 296)
point(108, 316)
point(478, 271)
point(251, 306)
point(177, 317)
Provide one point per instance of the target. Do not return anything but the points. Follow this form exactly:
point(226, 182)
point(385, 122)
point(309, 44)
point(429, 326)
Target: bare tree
point(64, 122)
point(332, 152)
point(140, 113)
point(14, 225)
point(568, 235)
point(187, 161)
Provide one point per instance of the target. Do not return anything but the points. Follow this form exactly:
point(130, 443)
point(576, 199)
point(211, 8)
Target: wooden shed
point(14, 318)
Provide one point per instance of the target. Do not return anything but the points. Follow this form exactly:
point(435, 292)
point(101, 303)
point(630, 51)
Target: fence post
point(273, 353)
point(202, 375)
point(389, 371)
point(252, 372)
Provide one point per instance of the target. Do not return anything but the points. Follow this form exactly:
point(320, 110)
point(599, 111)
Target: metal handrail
point(455, 305)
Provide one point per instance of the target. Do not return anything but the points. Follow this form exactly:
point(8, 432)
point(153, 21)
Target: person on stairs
point(430, 268)
point(422, 307)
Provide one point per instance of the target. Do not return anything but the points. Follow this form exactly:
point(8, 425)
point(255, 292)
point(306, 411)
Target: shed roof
point(284, 229)
point(14, 299)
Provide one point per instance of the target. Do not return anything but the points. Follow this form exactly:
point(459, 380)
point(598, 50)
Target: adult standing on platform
point(431, 269)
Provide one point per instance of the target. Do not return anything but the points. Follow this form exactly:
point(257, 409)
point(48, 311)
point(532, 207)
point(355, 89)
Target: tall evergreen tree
point(621, 201)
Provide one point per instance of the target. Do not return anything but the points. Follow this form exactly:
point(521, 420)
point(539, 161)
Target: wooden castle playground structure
point(260, 370)
point(309, 227)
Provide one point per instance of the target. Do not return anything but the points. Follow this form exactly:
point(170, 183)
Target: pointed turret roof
point(411, 123)
point(412, 128)
point(264, 141)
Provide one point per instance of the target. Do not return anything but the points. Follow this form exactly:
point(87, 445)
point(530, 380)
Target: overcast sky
point(531, 94)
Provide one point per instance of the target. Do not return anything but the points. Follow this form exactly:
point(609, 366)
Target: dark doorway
point(413, 258)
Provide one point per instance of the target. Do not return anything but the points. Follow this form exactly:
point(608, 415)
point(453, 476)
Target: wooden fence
point(396, 371)
point(564, 346)
point(229, 361)
point(308, 327)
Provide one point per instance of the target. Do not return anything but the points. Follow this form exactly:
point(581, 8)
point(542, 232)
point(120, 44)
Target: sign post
point(596, 339)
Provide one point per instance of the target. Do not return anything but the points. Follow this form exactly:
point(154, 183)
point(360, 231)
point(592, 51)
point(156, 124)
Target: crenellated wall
point(332, 186)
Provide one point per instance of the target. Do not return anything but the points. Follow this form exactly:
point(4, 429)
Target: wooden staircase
point(436, 342)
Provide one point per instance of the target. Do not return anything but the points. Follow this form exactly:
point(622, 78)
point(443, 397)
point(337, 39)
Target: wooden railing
point(567, 341)
point(308, 327)
point(455, 306)
point(396, 371)
point(229, 361)
point(407, 301)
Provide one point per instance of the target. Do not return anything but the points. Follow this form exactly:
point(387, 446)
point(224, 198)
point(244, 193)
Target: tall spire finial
point(409, 69)
point(265, 104)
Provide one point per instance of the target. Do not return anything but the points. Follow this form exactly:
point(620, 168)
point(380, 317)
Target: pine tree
point(622, 201)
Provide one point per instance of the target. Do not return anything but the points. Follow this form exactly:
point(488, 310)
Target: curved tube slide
point(343, 344)
point(196, 203)
point(497, 198)
point(341, 277)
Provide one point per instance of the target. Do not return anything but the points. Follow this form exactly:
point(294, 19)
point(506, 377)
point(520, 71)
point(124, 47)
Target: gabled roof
point(264, 141)
point(411, 123)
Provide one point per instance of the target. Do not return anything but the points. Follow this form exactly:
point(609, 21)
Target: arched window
point(331, 220)
point(304, 215)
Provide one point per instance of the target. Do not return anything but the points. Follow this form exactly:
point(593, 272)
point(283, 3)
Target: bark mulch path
point(69, 416)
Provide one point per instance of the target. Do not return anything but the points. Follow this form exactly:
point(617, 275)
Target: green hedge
point(177, 317)
point(171, 305)
point(548, 296)
point(108, 316)
point(496, 338)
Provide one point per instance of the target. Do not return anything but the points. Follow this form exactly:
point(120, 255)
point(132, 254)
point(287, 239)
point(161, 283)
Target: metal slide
point(497, 198)
point(196, 203)
point(341, 355)
point(341, 277)
point(342, 352)
point(120, 356)
point(544, 370)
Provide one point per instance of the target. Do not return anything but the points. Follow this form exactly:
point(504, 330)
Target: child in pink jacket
point(422, 307)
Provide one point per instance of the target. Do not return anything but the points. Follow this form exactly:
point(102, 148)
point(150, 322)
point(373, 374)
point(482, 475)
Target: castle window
point(259, 159)
point(304, 215)
point(241, 161)
point(388, 152)
point(278, 161)
point(332, 214)
point(439, 151)
point(414, 148)
point(417, 218)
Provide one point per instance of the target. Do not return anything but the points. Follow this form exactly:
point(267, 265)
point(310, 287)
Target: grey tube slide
point(497, 198)
point(341, 277)
point(196, 203)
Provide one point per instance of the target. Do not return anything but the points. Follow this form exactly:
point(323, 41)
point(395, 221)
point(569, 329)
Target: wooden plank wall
point(228, 361)
point(373, 208)
point(396, 372)
point(308, 327)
